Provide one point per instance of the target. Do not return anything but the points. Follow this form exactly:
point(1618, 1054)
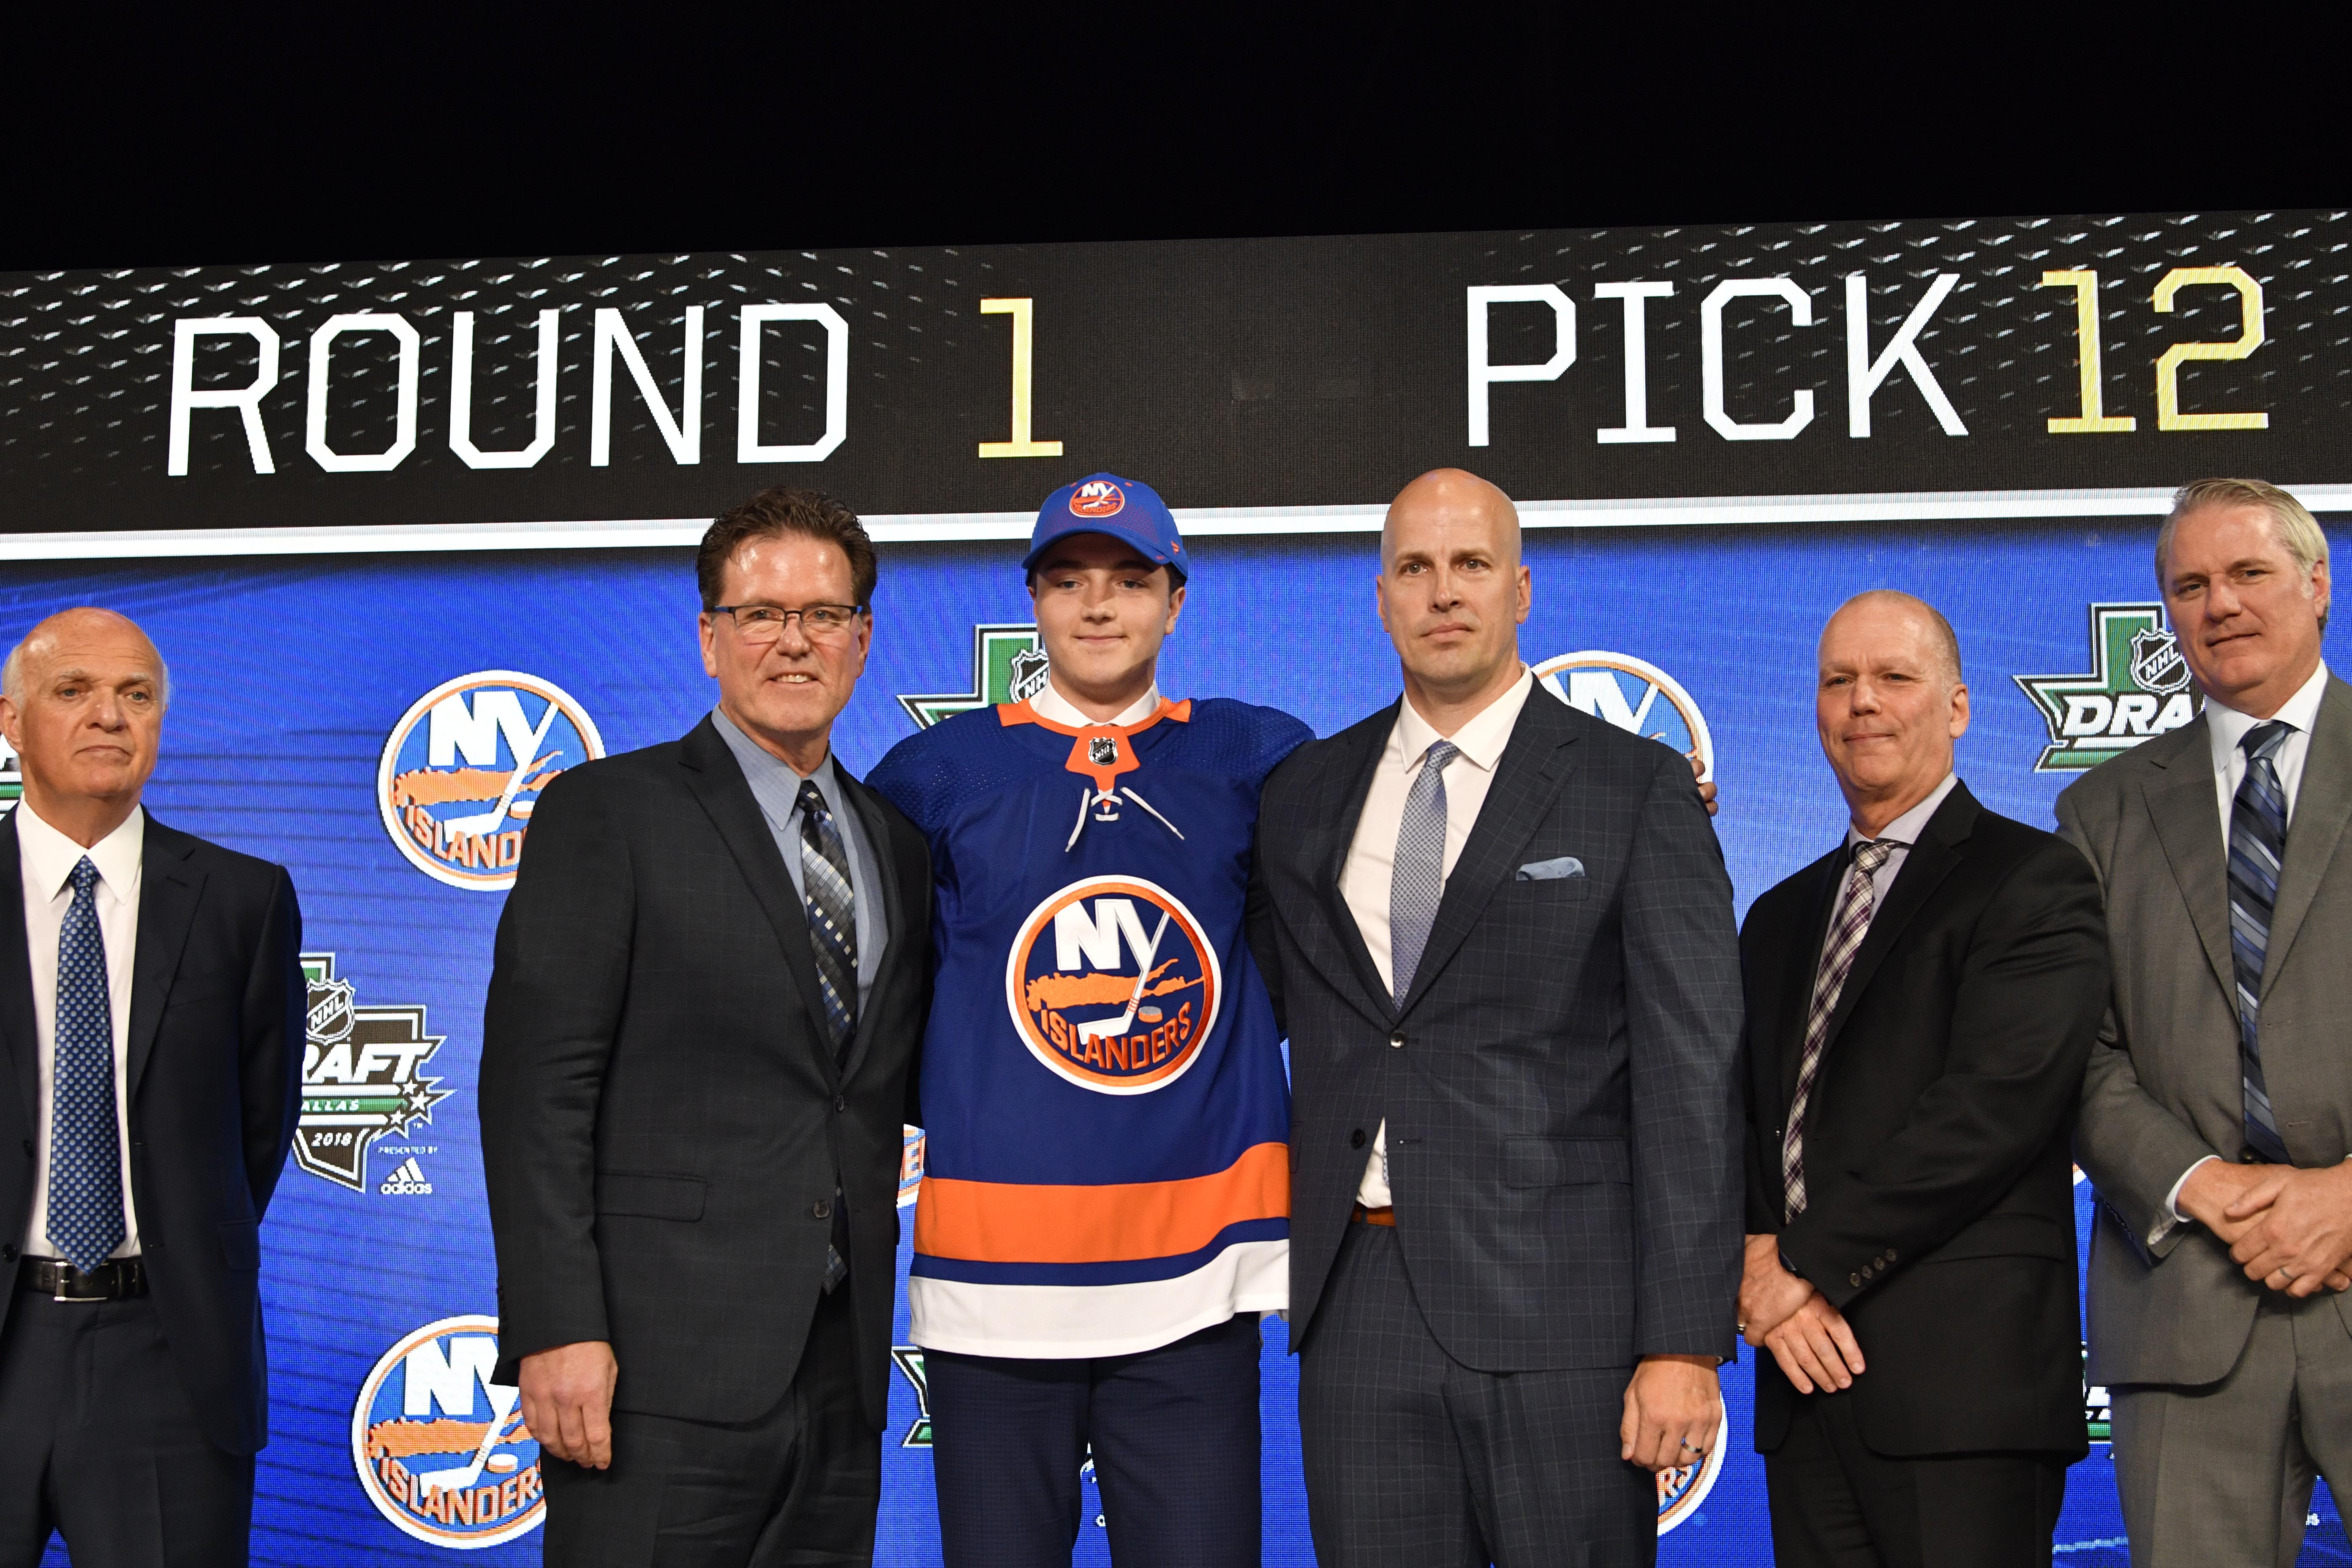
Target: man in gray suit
point(2217, 1113)
point(1499, 933)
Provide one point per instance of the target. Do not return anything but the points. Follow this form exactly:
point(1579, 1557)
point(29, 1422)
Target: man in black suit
point(1921, 1002)
point(152, 1025)
point(1500, 934)
point(702, 1027)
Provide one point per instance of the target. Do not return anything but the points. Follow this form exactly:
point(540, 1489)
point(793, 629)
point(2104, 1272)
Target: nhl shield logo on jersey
point(441, 1450)
point(361, 1077)
point(464, 766)
point(1114, 985)
point(1632, 695)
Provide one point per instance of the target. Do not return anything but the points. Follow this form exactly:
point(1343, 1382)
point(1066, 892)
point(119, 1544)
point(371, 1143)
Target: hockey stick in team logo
point(502, 1404)
point(1102, 1026)
point(487, 822)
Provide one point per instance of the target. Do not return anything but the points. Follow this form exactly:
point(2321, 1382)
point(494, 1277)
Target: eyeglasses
point(761, 624)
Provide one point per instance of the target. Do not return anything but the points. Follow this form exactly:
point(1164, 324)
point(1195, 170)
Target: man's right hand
point(567, 1401)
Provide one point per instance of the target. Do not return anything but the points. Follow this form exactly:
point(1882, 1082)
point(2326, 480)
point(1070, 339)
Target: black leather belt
point(61, 1281)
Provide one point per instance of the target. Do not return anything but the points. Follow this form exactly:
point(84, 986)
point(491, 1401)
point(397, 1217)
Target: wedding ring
point(1693, 1448)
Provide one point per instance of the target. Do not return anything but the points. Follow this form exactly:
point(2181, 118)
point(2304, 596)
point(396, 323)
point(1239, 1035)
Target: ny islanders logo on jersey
point(441, 1450)
point(1632, 695)
point(1113, 984)
point(464, 766)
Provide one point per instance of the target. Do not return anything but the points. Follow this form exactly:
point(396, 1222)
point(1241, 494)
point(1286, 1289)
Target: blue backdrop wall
point(291, 677)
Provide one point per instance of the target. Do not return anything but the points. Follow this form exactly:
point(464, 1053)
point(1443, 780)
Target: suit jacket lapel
point(2322, 806)
point(716, 781)
point(1535, 763)
point(1352, 779)
point(169, 890)
point(1931, 859)
point(19, 1032)
point(2182, 805)
point(898, 940)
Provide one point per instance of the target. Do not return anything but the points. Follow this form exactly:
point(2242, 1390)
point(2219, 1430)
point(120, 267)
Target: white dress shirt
point(1371, 858)
point(2225, 730)
point(48, 859)
point(1051, 704)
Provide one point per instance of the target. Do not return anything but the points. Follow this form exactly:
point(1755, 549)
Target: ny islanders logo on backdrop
point(361, 1078)
point(2138, 686)
point(1632, 695)
point(1684, 1488)
point(464, 766)
point(1007, 666)
point(1113, 984)
point(441, 1450)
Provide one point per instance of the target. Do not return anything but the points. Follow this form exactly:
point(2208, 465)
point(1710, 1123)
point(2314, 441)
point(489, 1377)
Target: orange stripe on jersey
point(1006, 1221)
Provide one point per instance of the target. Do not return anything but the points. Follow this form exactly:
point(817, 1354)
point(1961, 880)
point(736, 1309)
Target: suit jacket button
point(822, 1208)
point(1890, 1255)
point(8, 1253)
point(1396, 1042)
point(840, 1103)
point(1854, 1278)
point(1356, 1139)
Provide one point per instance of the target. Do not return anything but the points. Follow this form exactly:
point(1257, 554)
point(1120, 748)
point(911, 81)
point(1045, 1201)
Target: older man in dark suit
point(1500, 932)
point(1920, 1003)
point(702, 1026)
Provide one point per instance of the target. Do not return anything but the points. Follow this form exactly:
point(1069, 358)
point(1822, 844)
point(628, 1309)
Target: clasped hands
point(2290, 1229)
point(1782, 1312)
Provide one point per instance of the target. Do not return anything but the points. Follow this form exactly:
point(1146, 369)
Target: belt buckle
point(66, 1275)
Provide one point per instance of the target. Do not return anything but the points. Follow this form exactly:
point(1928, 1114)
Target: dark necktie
point(832, 913)
point(2257, 849)
point(85, 1217)
point(1855, 911)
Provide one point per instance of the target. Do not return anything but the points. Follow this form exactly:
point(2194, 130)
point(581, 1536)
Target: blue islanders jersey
point(1106, 1164)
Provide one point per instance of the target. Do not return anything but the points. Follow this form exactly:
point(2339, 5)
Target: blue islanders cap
point(1105, 503)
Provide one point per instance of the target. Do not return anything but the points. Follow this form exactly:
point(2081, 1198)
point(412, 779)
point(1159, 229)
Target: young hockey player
point(1104, 1213)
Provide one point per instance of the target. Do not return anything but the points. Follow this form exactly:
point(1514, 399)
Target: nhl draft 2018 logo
point(1114, 985)
point(361, 1077)
point(464, 766)
point(1007, 666)
point(1682, 1489)
point(441, 1450)
point(2137, 686)
point(1632, 695)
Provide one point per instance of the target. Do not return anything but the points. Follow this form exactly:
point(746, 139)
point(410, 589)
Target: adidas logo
point(407, 1178)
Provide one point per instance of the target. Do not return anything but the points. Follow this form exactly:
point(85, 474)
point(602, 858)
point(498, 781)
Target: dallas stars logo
point(2137, 686)
point(910, 1361)
point(1007, 666)
point(359, 1078)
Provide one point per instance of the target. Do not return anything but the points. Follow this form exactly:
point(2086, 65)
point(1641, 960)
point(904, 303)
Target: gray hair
point(2291, 523)
point(12, 671)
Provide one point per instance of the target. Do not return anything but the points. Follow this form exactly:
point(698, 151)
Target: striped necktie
point(1855, 911)
point(85, 1218)
point(832, 913)
point(2257, 849)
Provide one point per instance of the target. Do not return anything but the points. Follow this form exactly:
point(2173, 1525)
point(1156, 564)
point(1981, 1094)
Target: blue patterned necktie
point(832, 911)
point(2257, 849)
point(85, 1217)
point(1417, 882)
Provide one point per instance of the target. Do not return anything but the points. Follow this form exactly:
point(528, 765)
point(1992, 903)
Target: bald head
point(1889, 608)
point(1453, 496)
point(70, 630)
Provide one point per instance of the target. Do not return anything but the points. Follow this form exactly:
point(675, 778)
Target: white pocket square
point(1551, 870)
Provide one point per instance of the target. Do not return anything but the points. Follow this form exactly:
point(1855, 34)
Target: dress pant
point(1175, 1438)
point(2219, 1476)
point(1837, 1504)
point(796, 1487)
point(99, 1442)
point(1415, 1460)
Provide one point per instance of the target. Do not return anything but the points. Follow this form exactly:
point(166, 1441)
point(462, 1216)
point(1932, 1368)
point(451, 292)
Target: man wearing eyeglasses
point(696, 1058)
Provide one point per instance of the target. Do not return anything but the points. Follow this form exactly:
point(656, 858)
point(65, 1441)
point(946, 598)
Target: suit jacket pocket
point(240, 1244)
point(649, 1195)
point(2008, 1236)
point(1563, 1161)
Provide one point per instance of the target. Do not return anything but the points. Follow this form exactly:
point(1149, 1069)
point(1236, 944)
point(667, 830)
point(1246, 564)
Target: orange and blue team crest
point(1107, 1113)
